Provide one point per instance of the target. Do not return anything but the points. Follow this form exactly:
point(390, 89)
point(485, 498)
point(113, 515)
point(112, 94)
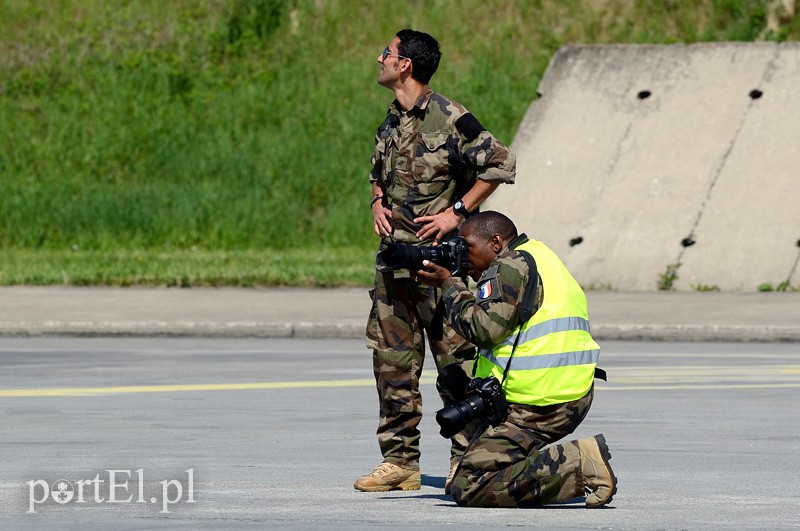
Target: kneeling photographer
point(532, 378)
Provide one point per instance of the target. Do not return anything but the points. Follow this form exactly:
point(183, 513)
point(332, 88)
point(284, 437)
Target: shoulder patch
point(488, 286)
point(489, 290)
point(469, 126)
point(485, 290)
point(391, 122)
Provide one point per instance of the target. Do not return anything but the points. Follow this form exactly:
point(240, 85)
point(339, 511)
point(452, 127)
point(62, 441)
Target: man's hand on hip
point(437, 226)
point(382, 217)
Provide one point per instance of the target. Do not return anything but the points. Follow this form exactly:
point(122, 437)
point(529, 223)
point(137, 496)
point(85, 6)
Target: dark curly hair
point(423, 50)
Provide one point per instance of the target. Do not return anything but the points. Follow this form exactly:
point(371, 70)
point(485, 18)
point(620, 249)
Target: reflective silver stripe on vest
point(546, 361)
point(562, 324)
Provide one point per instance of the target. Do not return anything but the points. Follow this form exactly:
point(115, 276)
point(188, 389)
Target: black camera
point(485, 399)
point(451, 254)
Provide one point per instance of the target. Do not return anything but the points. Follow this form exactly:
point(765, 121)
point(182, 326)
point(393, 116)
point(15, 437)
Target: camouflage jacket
point(490, 316)
point(430, 156)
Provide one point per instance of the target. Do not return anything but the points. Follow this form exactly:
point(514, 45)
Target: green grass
point(666, 280)
point(184, 268)
point(244, 127)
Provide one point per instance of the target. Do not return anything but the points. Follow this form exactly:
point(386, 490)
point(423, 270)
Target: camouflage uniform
point(424, 159)
point(505, 466)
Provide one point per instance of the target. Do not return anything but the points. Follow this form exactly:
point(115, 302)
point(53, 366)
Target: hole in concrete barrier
point(755, 94)
point(644, 94)
point(688, 241)
point(798, 243)
point(578, 240)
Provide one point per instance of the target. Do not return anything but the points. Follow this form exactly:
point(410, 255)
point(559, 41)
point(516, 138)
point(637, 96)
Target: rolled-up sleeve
point(491, 160)
point(377, 160)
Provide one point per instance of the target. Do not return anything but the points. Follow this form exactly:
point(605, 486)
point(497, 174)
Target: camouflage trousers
point(401, 316)
point(507, 467)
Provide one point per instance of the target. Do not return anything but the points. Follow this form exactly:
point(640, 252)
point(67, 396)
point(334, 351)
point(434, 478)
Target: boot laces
point(381, 470)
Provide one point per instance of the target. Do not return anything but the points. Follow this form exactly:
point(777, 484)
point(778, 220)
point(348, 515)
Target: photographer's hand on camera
point(433, 274)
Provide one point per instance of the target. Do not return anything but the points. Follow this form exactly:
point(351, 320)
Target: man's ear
point(406, 69)
point(497, 243)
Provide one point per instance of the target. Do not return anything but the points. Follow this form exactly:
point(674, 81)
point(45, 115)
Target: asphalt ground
point(275, 431)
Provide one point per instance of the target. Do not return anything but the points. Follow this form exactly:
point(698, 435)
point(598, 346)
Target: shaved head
point(487, 224)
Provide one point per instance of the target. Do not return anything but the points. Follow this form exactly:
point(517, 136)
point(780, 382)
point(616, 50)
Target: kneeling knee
point(465, 493)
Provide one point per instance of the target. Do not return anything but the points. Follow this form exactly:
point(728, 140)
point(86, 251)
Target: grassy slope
point(194, 143)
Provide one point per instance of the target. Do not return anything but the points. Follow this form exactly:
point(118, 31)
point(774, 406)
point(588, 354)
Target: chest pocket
point(431, 162)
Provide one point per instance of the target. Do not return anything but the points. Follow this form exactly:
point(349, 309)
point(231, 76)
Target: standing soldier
point(433, 165)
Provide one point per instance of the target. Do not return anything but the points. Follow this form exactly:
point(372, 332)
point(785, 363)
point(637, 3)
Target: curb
point(254, 329)
point(697, 333)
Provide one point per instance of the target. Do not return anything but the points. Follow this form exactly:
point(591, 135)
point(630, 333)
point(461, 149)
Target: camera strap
point(528, 306)
point(437, 321)
point(508, 363)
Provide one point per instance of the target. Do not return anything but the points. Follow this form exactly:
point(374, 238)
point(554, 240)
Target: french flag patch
point(485, 290)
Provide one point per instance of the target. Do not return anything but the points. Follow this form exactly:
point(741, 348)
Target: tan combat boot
point(388, 476)
point(597, 474)
point(451, 476)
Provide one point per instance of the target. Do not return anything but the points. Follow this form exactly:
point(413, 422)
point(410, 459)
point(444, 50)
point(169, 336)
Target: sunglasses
point(387, 53)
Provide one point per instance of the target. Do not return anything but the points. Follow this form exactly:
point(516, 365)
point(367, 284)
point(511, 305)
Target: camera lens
point(452, 255)
point(453, 419)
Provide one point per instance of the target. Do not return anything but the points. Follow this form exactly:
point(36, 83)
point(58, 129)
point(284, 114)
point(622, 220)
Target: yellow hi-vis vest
point(555, 357)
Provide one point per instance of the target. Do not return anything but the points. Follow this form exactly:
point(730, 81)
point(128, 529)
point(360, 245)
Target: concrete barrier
point(648, 167)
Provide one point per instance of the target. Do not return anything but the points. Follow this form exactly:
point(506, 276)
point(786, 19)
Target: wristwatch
point(461, 209)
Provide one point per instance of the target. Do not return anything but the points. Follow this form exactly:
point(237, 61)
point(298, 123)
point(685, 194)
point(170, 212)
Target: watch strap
point(461, 209)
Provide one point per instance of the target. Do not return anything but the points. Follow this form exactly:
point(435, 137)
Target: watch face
point(458, 205)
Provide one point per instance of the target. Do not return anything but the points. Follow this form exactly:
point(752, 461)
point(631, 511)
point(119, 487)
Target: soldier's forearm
point(478, 193)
